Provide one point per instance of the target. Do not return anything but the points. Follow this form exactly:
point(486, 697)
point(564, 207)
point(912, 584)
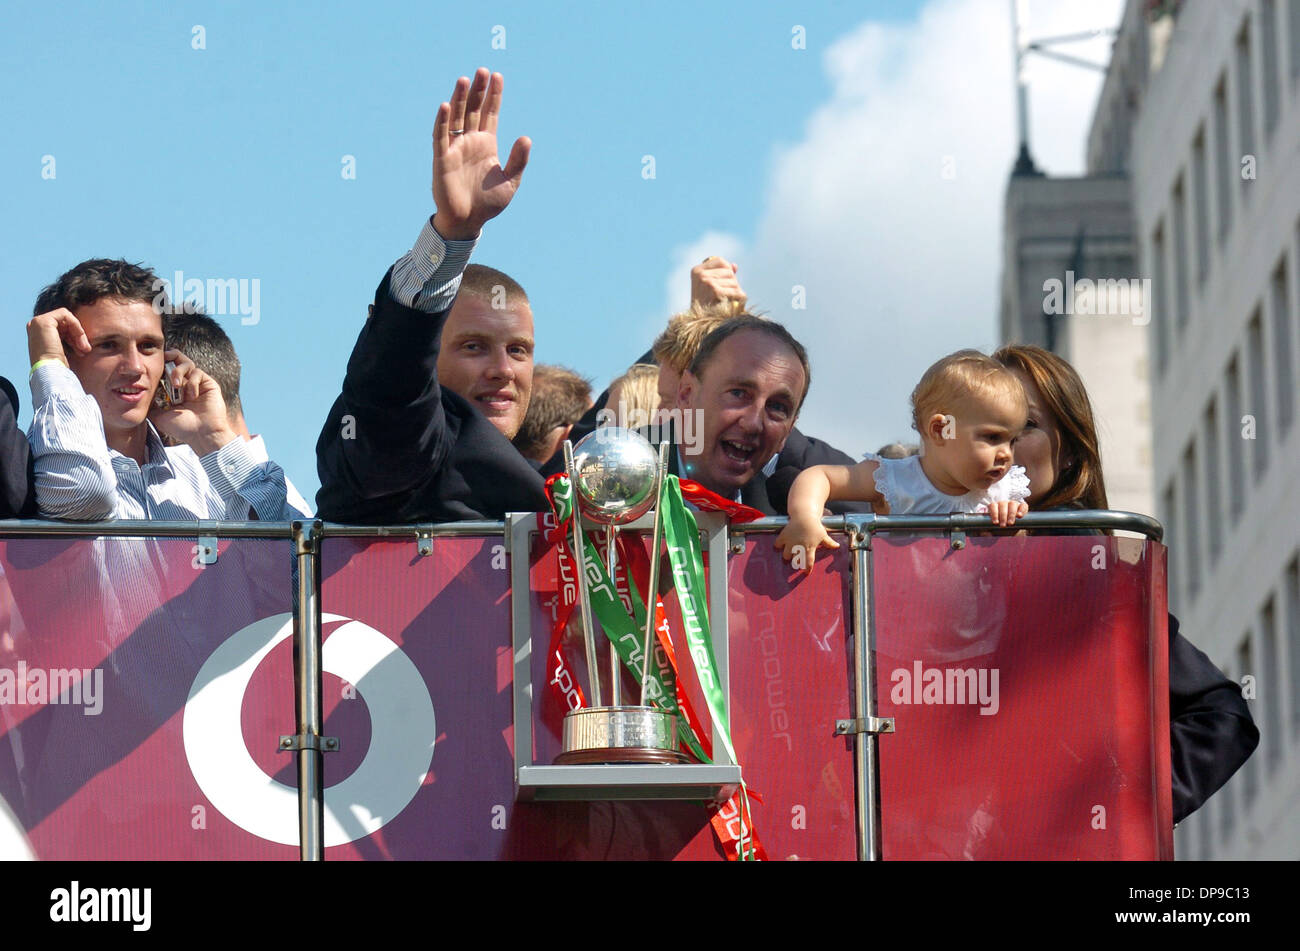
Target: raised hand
point(469, 185)
point(199, 419)
point(715, 281)
point(48, 333)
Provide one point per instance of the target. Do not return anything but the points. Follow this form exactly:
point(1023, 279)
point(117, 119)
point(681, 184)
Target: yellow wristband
point(40, 363)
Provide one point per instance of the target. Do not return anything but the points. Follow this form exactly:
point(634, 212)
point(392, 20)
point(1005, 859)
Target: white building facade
point(1214, 164)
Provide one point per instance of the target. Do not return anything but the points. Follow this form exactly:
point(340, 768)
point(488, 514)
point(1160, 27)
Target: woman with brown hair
point(1211, 729)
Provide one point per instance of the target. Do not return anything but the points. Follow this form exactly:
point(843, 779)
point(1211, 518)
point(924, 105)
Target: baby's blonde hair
point(957, 378)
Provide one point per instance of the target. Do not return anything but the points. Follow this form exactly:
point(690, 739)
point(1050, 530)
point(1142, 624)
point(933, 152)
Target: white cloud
point(888, 207)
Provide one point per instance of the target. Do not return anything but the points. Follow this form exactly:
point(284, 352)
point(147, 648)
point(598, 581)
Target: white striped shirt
point(428, 276)
point(78, 477)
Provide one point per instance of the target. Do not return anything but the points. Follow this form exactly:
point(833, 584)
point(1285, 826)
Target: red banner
point(145, 697)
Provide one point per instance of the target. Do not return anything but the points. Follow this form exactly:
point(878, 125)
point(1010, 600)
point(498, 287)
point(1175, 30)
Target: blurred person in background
point(558, 400)
point(633, 398)
point(201, 338)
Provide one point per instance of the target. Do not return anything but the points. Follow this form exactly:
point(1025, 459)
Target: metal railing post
point(866, 753)
point(307, 653)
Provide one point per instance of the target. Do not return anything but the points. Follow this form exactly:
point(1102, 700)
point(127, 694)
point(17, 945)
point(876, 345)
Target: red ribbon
point(732, 823)
point(635, 558)
point(709, 501)
point(559, 674)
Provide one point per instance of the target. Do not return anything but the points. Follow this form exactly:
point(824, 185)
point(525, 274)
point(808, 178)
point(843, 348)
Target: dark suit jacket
point(1211, 730)
point(17, 486)
point(399, 448)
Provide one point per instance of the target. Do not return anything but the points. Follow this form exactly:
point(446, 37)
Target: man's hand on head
point(714, 281)
point(48, 333)
point(199, 419)
point(469, 185)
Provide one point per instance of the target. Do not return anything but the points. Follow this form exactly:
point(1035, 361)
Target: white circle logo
point(394, 767)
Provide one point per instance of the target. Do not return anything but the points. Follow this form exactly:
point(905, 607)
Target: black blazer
point(17, 485)
point(398, 448)
point(1211, 730)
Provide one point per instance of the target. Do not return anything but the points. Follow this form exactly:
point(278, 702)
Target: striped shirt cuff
point(53, 380)
point(428, 276)
point(230, 468)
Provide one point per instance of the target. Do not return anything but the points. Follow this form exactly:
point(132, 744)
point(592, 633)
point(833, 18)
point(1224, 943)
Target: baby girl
point(969, 409)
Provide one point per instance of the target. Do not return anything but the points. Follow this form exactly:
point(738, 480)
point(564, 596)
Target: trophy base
point(615, 735)
point(614, 757)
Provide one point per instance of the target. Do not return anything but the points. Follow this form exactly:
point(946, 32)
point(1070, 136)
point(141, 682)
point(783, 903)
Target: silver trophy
point(616, 476)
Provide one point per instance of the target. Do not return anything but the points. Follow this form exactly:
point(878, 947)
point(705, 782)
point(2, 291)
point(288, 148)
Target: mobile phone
point(167, 395)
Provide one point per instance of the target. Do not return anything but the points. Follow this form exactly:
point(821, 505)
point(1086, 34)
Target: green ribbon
point(623, 632)
point(682, 535)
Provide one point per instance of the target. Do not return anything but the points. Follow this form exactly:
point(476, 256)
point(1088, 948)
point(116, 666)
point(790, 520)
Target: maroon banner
point(1029, 683)
point(154, 691)
point(105, 643)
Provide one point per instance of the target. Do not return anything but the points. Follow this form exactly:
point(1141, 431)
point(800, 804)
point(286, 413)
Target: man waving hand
point(440, 377)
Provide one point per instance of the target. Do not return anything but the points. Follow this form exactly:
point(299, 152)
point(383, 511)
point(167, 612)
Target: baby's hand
point(1006, 513)
point(800, 540)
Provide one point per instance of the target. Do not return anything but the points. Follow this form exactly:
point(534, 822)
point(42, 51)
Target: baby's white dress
point(908, 491)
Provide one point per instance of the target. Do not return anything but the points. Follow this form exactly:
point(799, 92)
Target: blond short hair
point(677, 345)
point(958, 378)
point(638, 396)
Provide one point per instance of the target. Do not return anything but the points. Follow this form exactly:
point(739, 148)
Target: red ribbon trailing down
point(732, 823)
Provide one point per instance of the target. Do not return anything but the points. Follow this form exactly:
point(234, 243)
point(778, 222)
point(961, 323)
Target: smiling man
point(96, 346)
point(745, 387)
point(440, 378)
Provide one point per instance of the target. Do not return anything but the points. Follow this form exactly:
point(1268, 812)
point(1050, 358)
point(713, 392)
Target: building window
point(1225, 167)
point(1191, 543)
point(1173, 539)
point(1235, 442)
point(1204, 833)
point(1291, 592)
point(1213, 481)
point(1293, 30)
point(1180, 255)
point(1270, 696)
point(1281, 308)
point(1159, 292)
point(1255, 370)
point(1246, 668)
point(1225, 796)
point(1245, 101)
point(1268, 59)
point(1201, 209)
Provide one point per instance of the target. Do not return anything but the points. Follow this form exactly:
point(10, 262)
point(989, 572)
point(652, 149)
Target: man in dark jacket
point(17, 495)
point(440, 378)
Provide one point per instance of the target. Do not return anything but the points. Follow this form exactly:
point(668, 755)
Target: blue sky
point(225, 162)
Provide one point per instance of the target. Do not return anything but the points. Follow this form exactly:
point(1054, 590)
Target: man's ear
point(687, 389)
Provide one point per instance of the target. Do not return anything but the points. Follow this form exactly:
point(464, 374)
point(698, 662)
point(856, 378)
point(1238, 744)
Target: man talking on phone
point(98, 359)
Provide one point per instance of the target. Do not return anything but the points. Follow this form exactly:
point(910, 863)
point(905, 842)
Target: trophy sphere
point(615, 472)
